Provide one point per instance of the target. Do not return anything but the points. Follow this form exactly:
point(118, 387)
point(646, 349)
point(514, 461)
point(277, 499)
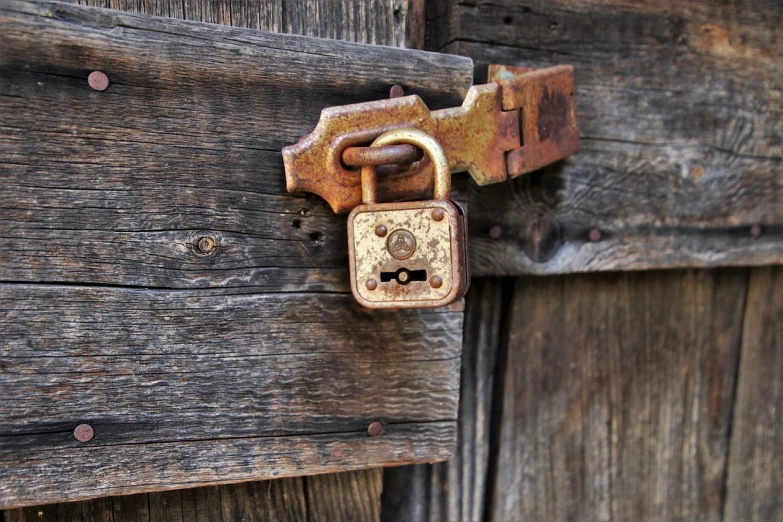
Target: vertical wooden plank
point(455, 490)
point(131, 508)
point(265, 501)
point(617, 396)
point(755, 472)
point(344, 496)
point(202, 504)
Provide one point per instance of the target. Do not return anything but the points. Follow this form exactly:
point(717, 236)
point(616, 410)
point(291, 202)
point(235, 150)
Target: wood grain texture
point(396, 23)
point(618, 394)
point(275, 384)
point(679, 111)
point(456, 490)
point(117, 187)
point(755, 472)
point(342, 496)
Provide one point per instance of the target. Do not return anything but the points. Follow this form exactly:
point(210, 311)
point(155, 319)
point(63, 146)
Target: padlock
point(410, 254)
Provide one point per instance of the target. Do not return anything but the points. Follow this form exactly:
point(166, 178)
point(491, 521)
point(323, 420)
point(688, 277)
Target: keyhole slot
point(404, 276)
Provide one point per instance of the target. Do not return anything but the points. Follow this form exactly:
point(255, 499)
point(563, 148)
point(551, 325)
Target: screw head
point(495, 231)
point(381, 230)
point(438, 214)
point(371, 284)
point(436, 281)
point(375, 428)
point(594, 235)
point(755, 230)
point(83, 433)
point(98, 81)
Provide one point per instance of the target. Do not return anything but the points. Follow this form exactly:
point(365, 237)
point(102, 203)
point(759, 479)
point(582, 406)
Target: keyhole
point(404, 276)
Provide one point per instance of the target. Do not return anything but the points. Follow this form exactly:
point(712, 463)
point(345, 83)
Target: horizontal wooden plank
point(679, 111)
point(117, 187)
point(213, 386)
point(146, 467)
point(618, 396)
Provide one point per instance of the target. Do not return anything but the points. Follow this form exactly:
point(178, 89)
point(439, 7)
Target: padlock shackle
point(430, 146)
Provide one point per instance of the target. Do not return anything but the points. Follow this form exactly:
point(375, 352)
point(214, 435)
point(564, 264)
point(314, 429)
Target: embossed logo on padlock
point(409, 254)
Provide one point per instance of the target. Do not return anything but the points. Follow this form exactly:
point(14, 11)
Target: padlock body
point(408, 255)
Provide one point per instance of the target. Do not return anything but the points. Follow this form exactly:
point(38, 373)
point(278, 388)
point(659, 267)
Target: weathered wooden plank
point(618, 394)
point(456, 490)
point(755, 468)
point(679, 111)
point(352, 495)
point(117, 187)
point(381, 22)
point(276, 384)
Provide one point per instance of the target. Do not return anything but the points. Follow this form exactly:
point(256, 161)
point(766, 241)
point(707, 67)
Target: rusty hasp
point(546, 100)
point(518, 123)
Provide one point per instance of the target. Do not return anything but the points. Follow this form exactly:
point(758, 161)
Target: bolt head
point(375, 428)
point(98, 81)
point(83, 433)
point(381, 230)
point(371, 284)
point(438, 214)
point(436, 281)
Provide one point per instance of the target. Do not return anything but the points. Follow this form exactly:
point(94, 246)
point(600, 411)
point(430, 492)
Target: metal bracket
point(521, 121)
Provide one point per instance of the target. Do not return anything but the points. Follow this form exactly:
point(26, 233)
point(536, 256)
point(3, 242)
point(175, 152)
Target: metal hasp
point(521, 121)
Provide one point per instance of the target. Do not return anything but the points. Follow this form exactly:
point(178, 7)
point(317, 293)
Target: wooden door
point(646, 395)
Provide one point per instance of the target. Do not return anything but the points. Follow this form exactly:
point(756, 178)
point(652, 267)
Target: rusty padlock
point(410, 254)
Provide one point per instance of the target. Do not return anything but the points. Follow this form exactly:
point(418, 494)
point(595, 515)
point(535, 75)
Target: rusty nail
point(396, 91)
point(388, 155)
point(205, 245)
point(403, 276)
point(755, 230)
point(436, 281)
point(375, 428)
point(438, 214)
point(98, 81)
point(83, 433)
point(594, 235)
point(371, 284)
point(495, 231)
point(380, 230)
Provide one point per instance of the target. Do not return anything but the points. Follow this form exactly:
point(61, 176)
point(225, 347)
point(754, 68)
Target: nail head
point(755, 230)
point(438, 214)
point(436, 281)
point(83, 433)
point(380, 230)
point(98, 81)
point(375, 428)
point(595, 235)
point(396, 91)
point(371, 284)
point(495, 231)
